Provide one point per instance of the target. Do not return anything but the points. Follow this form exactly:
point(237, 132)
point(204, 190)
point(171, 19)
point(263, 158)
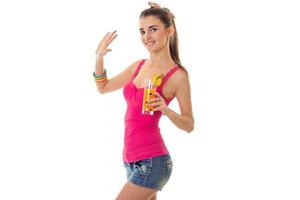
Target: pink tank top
point(142, 138)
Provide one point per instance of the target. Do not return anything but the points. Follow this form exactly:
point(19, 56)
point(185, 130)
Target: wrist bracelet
point(99, 80)
point(100, 75)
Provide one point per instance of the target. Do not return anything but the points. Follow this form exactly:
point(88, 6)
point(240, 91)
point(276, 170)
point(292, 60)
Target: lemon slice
point(157, 79)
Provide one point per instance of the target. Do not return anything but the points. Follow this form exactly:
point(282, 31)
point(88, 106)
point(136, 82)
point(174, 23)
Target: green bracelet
point(100, 75)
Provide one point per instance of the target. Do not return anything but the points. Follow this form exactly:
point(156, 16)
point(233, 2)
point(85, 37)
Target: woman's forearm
point(183, 122)
point(99, 69)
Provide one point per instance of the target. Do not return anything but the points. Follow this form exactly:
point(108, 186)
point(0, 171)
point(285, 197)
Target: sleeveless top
point(142, 138)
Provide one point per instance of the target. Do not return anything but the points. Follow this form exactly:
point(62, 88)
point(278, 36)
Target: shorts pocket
point(144, 166)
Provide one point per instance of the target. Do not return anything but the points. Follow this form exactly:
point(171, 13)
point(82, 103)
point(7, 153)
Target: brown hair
point(167, 18)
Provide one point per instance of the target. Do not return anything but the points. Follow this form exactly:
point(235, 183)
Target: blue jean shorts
point(152, 173)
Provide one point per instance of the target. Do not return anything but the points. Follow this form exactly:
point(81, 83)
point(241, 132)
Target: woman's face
point(154, 35)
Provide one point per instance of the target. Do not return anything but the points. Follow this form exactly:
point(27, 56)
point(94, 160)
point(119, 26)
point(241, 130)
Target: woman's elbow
point(190, 127)
point(101, 90)
point(101, 87)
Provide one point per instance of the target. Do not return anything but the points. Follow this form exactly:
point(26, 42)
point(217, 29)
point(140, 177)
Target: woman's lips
point(150, 43)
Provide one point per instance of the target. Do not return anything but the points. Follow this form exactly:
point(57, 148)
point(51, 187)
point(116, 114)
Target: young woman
point(146, 158)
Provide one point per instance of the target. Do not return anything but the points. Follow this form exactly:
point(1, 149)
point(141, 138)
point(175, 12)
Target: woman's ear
point(171, 31)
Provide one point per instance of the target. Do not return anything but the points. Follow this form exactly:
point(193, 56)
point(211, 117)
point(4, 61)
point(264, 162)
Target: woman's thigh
point(135, 192)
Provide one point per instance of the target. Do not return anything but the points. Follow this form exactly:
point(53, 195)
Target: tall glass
point(149, 91)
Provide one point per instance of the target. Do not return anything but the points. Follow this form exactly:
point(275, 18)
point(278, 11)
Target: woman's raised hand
point(102, 48)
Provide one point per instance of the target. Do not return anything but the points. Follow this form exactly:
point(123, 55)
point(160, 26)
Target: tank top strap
point(141, 62)
point(168, 75)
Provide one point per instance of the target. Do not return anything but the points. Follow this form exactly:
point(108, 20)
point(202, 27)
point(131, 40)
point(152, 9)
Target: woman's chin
point(152, 49)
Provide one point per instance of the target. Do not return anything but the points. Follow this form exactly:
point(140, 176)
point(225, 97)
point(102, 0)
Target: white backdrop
point(61, 140)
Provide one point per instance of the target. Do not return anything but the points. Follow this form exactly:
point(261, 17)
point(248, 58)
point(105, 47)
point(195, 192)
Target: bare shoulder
point(124, 76)
point(128, 71)
point(131, 68)
point(135, 63)
point(181, 79)
point(181, 74)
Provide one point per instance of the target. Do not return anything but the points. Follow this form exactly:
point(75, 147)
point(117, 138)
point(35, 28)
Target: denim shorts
point(152, 173)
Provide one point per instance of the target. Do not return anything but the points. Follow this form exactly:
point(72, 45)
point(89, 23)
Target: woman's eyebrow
point(152, 26)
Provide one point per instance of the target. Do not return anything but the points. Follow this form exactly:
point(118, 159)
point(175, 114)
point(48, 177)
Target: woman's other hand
point(158, 103)
point(102, 48)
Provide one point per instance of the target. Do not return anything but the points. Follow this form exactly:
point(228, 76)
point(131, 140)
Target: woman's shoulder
point(138, 62)
point(180, 78)
point(135, 64)
point(180, 75)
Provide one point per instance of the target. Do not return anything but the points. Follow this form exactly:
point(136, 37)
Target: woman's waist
point(141, 125)
point(139, 140)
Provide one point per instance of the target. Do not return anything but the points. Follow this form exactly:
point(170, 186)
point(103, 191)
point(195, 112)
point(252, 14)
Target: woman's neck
point(161, 59)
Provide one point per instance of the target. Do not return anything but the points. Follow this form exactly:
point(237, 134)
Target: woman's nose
point(147, 35)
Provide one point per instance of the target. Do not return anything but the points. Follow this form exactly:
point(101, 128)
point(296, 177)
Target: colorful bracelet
point(100, 75)
point(99, 80)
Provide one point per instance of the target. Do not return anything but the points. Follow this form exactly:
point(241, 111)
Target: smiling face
point(154, 34)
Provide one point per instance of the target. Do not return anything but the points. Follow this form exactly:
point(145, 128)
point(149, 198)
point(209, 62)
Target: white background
point(62, 140)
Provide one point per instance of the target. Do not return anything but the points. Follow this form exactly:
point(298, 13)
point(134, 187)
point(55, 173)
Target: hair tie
point(156, 5)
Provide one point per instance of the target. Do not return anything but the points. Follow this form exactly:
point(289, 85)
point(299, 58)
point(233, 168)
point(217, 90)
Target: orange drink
point(149, 91)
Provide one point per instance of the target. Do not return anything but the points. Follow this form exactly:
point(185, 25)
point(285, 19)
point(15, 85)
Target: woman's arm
point(108, 85)
point(117, 81)
point(185, 119)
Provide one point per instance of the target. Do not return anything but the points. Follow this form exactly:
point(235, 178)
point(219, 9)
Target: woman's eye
point(153, 29)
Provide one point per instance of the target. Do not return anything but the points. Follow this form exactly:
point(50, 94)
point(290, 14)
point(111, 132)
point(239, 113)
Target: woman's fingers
point(156, 102)
point(103, 40)
point(111, 37)
point(157, 95)
point(107, 39)
point(102, 47)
